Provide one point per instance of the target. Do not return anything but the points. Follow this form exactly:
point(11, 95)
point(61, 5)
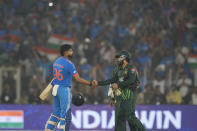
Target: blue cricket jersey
point(63, 71)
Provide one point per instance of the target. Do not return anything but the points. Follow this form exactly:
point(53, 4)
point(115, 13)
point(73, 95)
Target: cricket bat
point(46, 92)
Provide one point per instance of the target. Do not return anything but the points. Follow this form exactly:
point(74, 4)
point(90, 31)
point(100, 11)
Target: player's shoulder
point(66, 61)
point(57, 60)
point(69, 62)
point(131, 67)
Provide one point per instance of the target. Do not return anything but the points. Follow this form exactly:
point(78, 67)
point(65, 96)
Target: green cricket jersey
point(127, 80)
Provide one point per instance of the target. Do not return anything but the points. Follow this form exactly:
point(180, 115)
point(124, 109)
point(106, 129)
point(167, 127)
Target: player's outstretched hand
point(115, 86)
point(94, 83)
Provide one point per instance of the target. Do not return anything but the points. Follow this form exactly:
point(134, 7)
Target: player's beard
point(119, 63)
point(70, 57)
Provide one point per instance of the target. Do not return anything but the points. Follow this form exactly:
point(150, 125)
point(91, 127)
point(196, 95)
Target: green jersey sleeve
point(113, 79)
point(132, 78)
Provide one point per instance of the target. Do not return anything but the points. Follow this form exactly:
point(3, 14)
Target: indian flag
point(192, 61)
point(12, 37)
point(51, 48)
point(11, 119)
point(55, 41)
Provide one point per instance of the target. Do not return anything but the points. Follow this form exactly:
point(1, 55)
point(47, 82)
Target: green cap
point(124, 53)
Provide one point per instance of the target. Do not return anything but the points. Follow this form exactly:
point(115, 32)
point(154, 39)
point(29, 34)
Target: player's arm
point(131, 78)
point(81, 80)
point(78, 78)
point(113, 79)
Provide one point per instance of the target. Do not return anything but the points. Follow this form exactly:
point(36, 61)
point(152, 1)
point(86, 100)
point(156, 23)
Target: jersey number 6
point(57, 74)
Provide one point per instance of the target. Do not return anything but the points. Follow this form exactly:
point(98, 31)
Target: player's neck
point(66, 57)
point(124, 65)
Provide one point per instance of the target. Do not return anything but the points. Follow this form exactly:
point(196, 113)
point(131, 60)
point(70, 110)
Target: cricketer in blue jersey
point(63, 72)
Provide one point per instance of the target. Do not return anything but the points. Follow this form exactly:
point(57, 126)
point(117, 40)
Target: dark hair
point(64, 48)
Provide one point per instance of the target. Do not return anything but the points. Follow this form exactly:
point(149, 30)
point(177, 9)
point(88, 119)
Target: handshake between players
point(95, 83)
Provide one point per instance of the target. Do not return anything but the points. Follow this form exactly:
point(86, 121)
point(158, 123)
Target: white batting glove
point(118, 92)
point(110, 92)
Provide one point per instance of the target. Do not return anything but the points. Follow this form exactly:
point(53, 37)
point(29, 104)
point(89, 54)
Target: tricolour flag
point(11, 119)
point(192, 61)
point(12, 37)
point(55, 41)
point(51, 48)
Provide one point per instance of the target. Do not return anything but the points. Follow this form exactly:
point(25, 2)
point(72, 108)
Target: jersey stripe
point(75, 74)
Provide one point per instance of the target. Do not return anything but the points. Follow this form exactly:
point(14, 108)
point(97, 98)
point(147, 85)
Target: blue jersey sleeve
point(73, 70)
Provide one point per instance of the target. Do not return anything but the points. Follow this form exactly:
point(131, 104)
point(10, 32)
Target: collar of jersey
point(67, 60)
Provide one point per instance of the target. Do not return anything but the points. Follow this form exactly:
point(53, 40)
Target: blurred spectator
point(85, 69)
point(140, 98)
point(184, 80)
point(159, 82)
point(194, 97)
point(7, 45)
point(184, 91)
point(9, 79)
point(173, 96)
point(37, 81)
point(158, 97)
point(8, 95)
point(33, 96)
point(148, 94)
point(107, 52)
point(91, 96)
point(97, 72)
point(46, 66)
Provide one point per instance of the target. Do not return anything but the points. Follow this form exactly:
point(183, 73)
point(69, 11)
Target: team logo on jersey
point(132, 70)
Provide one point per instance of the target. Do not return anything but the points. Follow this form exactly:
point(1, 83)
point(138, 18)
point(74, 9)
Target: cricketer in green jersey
point(124, 78)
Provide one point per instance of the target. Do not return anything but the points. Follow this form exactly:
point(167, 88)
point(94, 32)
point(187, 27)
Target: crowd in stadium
point(160, 35)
